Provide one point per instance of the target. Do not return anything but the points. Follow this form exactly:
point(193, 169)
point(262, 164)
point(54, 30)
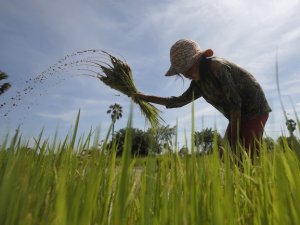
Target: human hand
point(139, 96)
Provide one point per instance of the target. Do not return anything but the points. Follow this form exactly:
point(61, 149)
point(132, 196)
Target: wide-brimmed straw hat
point(183, 54)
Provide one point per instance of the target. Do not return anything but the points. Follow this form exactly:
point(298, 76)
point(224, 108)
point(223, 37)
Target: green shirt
point(227, 87)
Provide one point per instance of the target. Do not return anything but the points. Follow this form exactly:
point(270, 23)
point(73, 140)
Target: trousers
point(251, 131)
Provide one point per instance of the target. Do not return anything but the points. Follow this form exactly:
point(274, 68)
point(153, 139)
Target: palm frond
point(4, 87)
point(3, 75)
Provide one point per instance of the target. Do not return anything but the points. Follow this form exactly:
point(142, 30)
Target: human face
point(192, 73)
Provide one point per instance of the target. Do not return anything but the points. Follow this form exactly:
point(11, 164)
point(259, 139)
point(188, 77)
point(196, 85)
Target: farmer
point(229, 88)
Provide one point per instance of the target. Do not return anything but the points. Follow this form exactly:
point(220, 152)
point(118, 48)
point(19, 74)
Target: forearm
point(154, 99)
point(169, 102)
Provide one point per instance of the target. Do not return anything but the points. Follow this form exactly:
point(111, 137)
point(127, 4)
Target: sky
point(36, 34)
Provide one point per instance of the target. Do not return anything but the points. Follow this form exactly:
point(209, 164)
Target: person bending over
point(226, 86)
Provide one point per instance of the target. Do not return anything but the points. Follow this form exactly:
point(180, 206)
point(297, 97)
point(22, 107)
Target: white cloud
point(66, 116)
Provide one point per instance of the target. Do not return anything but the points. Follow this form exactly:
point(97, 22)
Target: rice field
point(59, 182)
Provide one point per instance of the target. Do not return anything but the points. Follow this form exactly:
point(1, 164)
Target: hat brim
point(172, 71)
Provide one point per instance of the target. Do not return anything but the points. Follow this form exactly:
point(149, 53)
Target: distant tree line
point(152, 141)
point(161, 139)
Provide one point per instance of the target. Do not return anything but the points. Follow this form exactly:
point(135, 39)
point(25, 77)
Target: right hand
point(139, 96)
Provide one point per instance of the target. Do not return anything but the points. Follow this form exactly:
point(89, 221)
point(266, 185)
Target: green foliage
point(161, 137)
point(183, 151)
point(4, 87)
point(291, 126)
point(269, 142)
point(140, 142)
point(115, 111)
point(153, 141)
point(204, 140)
point(60, 185)
point(283, 141)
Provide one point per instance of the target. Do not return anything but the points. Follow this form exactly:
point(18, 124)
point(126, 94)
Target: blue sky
point(36, 34)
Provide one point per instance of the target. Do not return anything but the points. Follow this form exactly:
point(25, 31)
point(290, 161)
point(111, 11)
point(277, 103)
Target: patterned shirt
point(227, 87)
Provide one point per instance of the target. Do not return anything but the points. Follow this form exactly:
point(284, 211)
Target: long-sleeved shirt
point(227, 87)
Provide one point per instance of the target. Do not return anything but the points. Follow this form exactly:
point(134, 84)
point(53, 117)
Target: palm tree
point(4, 87)
point(115, 112)
point(291, 126)
point(162, 135)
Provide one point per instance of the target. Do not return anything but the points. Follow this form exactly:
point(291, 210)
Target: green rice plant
point(59, 184)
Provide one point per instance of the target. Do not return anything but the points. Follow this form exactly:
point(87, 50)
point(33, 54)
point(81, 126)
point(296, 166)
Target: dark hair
point(179, 75)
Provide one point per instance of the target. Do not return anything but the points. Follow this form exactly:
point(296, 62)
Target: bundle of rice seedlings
point(118, 76)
